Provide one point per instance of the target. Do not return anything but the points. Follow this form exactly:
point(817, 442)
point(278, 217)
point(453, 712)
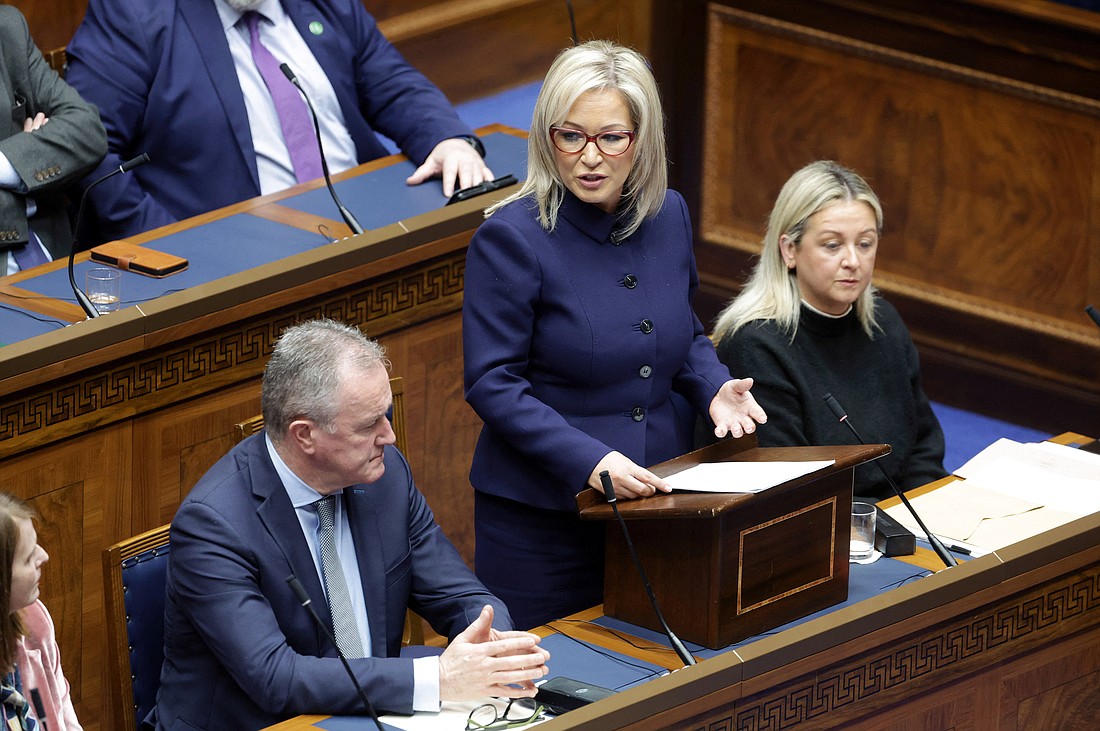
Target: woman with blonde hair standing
point(582, 351)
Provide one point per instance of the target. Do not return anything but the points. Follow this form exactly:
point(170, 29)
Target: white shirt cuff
point(9, 178)
point(426, 684)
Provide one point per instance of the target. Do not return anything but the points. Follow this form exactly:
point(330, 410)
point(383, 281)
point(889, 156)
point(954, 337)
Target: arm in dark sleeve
point(702, 373)
point(398, 100)
point(444, 590)
point(61, 151)
point(111, 64)
point(216, 581)
point(503, 280)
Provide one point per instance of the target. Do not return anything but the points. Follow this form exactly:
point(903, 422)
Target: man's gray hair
point(302, 379)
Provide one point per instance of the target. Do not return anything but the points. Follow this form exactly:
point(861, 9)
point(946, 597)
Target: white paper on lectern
point(741, 476)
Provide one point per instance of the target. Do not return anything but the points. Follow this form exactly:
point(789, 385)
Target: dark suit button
point(630, 281)
point(638, 413)
point(647, 326)
point(645, 371)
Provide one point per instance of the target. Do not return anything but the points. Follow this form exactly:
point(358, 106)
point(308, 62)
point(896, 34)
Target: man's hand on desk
point(453, 159)
point(485, 662)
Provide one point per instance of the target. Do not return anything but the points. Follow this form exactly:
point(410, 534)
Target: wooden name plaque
point(729, 566)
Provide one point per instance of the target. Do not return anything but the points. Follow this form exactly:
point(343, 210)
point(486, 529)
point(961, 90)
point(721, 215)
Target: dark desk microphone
point(348, 218)
point(81, 298)
point(937, 545)
point(609, 493)
point(307, 603)
point(39, 709)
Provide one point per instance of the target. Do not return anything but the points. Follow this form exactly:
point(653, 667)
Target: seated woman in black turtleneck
point(808, 322)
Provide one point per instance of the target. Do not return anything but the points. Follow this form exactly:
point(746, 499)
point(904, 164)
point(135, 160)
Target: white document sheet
point(748, 477)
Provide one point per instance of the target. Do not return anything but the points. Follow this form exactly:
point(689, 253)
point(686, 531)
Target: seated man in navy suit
point(323, 495)
point(189, 83)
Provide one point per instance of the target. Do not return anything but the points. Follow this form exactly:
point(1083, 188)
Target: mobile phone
point(475, 190)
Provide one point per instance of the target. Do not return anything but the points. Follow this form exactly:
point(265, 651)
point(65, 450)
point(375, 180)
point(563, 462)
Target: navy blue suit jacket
point(242, 653)
point(575, 346)
point(162, 75)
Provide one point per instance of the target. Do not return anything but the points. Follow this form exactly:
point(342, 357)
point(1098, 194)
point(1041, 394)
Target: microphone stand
point(609, 493)
point(937, 545)
point(307, 603)
point(344, 212)
point(81, 298)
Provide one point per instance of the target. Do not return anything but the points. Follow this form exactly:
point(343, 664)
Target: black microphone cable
point(307, 603)
point(937, 545)
point(609, 493)
point(81, 298)
point(349, 219)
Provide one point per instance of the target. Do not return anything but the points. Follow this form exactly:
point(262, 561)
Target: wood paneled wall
point(977, 123)
point(470, 48)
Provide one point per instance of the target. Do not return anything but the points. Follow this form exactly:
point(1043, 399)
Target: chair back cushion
point(143, 580)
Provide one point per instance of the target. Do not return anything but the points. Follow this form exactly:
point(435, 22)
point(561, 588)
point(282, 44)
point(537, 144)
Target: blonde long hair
point(771, 292)
point(597, 66)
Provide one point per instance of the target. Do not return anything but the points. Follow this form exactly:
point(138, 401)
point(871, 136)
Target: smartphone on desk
point(488, 186)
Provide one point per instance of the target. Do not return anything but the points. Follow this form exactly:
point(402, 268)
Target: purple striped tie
point(293, 114)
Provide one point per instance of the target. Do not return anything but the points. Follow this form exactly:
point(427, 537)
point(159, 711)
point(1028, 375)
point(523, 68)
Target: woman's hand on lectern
point(630, 480)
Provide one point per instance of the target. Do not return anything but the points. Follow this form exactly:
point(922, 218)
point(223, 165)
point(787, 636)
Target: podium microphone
point(609, 493)
point(937, 545)
point(348, 218)
point(81, 298)
point(307, 603)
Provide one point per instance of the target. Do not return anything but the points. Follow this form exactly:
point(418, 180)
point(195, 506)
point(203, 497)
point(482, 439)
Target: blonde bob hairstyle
point(771, 292)
point(597, 66)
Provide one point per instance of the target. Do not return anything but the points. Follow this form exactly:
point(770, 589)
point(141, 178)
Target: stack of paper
point(1010, 492)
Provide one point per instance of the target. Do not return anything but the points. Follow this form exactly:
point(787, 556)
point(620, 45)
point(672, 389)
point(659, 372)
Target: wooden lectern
point(729, 566)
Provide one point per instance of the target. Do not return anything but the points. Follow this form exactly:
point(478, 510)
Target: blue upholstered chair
point(134, 578)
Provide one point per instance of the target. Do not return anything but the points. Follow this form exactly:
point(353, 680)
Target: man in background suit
point(177, 79)
point(53, 138)
point(240, 651)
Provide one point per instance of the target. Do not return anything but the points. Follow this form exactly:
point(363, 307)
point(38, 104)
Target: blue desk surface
point(242, 241)
point(18, 324)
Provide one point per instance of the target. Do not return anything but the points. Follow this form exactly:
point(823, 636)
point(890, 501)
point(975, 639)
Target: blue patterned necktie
point(336, 585)
point(15, 705)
